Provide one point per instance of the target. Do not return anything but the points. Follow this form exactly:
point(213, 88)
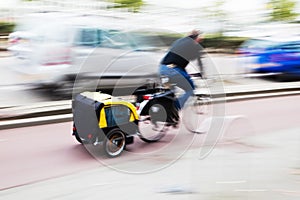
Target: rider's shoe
point(170, 123)
point(173, 118)
point(174, 124)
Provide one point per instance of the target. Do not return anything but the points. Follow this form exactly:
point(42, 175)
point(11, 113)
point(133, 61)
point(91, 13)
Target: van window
point(88, 37)
point(115, 39)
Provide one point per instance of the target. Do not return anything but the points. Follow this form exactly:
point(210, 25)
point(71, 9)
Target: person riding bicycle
point(174, 63)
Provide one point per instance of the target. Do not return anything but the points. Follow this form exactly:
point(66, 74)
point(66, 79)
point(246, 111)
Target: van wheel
point(114, 142)
point(64, 89)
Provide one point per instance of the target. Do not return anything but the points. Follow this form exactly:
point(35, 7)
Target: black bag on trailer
point(86, 117)
point(95, 113)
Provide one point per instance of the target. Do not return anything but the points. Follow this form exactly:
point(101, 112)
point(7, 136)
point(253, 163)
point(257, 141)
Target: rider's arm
point(200, 64)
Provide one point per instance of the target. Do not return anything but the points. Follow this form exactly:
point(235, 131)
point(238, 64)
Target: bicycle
point(157, 112)
point(114, 123)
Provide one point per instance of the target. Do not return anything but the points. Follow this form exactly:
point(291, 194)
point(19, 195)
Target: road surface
point(256, 156)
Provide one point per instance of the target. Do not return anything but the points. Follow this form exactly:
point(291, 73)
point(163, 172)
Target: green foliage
point(217, 41)
point(212, 41)
point(134, 5)
point(282, 10)
point(6, 27)
point(216, 10)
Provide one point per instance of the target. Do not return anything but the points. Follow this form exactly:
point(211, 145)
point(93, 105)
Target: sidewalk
point(3, 45)
point(4, 53)
point(262, 166)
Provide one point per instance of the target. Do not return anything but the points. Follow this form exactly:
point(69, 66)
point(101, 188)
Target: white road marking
point(251, 190)
point(231, 182)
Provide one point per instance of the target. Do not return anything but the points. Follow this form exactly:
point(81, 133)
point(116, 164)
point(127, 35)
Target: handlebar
point(148, 91)
point(144, 91)
point(196, 75)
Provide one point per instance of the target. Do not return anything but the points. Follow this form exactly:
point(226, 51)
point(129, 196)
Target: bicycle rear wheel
point(196, 110)
point(150, 132)
point(152, 127)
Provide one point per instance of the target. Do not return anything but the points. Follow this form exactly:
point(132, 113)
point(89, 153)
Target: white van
point(92, 52)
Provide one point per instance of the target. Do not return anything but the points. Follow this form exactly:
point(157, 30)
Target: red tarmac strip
point(34, 154)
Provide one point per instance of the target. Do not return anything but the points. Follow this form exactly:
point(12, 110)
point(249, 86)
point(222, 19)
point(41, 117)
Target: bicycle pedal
point(174, 124)
point(155, 129)
point(201, 113)
point(146, 119)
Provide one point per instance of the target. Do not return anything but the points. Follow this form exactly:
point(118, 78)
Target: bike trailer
point(99, 117)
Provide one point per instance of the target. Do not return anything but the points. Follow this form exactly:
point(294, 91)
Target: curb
point(19, 123)
point(58, 112)
point(5, 53)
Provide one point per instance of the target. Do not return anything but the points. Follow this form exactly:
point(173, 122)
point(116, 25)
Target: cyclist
point(173, 65)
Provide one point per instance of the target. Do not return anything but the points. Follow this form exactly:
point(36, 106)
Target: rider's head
point(195, 35)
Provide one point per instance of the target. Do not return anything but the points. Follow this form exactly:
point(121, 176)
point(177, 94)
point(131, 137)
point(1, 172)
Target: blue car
point(279, 57)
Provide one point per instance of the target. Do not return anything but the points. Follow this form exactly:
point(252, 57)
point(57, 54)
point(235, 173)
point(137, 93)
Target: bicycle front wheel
point(196, 110)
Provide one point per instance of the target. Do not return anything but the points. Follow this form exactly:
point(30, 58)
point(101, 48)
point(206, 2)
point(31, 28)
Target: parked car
point(277, 56)
point(89, 52)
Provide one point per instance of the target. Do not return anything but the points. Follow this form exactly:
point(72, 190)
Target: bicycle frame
point(157, 111)
point(164, 95)
point(147, 98)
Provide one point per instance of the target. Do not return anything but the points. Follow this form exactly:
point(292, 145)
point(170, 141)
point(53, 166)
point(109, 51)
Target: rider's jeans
point(181, 78)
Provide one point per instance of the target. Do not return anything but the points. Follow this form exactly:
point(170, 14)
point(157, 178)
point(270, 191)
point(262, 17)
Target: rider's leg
point(183, 98)
point(164, 70)
point(171, 73)
point(184, 81)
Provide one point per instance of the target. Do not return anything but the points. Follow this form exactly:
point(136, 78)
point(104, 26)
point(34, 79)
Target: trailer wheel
point(114, 142)
point(77, 138)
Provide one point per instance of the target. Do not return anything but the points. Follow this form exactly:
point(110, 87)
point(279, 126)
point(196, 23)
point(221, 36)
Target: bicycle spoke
point(150, 131)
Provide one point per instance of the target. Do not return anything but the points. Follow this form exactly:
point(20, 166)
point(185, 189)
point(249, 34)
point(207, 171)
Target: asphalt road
point(255, 155)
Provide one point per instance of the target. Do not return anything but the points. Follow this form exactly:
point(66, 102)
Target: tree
point(133, 5)
point(282, 10)
point(217, 13)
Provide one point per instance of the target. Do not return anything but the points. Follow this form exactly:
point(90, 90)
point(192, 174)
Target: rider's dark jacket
point(182, 52)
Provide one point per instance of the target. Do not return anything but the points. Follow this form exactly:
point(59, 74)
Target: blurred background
point(52, 48)
point(47, 45)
